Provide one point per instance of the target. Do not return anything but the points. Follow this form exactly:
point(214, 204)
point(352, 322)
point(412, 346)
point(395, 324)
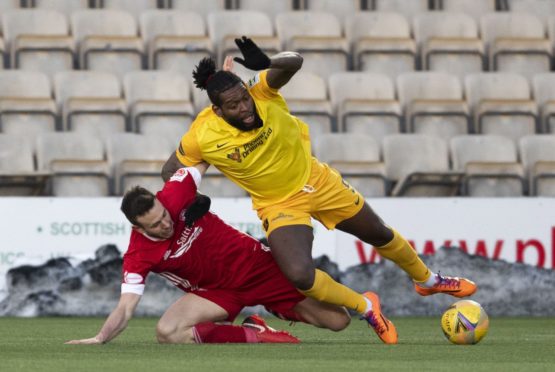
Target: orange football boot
point(383, 327)
point(454, 286)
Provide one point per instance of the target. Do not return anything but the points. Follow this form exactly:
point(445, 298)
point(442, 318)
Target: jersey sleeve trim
point(133, 288)
point(195, 173)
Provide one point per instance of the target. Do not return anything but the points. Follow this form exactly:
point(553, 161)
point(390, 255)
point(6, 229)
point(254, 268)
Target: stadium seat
point(341, 9)
point(543, 86)
point(449, 42)
point(26, 106)
point(6, 5)
point(433, 103)
point(63, 6)
point(135, 7)
point(490, 164)
point(17, 170)
point(516, 43)
point(318, 37)
point(538, 157)
point(199, 6)
point(365, 104)
point(175, 40)
point(270, 7)
point(307, 98)
point(381, 42)
point(501, 104)
point(540, 8)
point(137, 159)
point(107, 41)
point(159, 103)
point(419, 165)
point(77, 164)
point(216, 184)
point(38, 40)
point(474, 8)
point(407, 8)
point(90, 102)
point(357, 158)
point(225, 26)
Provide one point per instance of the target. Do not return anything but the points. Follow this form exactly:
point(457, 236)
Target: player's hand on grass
point(254, 57)
point(84, 341)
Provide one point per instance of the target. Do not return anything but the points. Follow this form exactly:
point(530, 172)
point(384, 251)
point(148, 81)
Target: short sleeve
point(134, 276)
point(259, 89)
point(258, 86)
point(188, 152)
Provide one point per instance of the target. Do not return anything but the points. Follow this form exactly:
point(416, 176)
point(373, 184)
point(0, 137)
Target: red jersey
point(208, 255)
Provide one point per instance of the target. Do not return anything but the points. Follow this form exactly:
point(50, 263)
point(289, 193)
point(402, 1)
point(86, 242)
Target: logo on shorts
point(281, 216)
point(265, 224)
point(235, 155)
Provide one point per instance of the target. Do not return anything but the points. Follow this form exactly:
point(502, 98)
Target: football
point(465, 322)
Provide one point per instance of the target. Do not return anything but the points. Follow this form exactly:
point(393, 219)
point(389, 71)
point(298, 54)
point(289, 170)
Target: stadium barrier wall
point(516, 230)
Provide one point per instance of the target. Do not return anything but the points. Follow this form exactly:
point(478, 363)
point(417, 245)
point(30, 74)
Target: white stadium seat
point(538, 157)
point(365, 104)
point(490, 164)
point(318, 37)
point(381, 42)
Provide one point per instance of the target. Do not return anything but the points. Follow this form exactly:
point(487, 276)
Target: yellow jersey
point(271, 162)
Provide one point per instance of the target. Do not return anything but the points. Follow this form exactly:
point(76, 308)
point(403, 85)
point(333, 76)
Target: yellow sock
point(328, 290)
point(400, 251)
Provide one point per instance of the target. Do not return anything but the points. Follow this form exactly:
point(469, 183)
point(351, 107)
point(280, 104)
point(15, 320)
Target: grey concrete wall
point(92, 287)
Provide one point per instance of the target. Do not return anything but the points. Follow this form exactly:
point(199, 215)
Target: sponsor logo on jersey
point(235, 155)
point(132, 278)
point(186, 240)
point(248, 148)
point(179, 175)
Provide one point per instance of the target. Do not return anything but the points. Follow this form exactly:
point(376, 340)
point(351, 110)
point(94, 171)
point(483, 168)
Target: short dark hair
point(137, 202)
point(214, 82)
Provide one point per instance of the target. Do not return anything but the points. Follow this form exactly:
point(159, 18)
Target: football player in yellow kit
point(249, 134)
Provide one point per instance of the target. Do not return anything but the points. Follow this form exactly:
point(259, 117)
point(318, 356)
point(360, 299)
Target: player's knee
point(168, 333)
point(340, 321)
point(302, 276)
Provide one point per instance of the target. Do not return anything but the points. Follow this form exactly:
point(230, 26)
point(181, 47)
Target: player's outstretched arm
point(115, 323)
point(281, 67)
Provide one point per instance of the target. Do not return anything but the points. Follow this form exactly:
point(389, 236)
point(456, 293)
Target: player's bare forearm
point(282, 68)
point(115, 323)
point(171, 165)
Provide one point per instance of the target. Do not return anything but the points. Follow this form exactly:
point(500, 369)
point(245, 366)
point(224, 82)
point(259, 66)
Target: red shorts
point(267, 286)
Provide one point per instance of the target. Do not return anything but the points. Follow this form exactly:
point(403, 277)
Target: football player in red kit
point(220, 268)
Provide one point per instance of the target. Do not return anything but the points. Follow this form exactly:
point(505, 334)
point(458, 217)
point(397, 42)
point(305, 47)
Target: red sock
point(210, 333)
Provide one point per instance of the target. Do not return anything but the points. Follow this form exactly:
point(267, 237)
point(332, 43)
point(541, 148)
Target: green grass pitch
point(512, 344)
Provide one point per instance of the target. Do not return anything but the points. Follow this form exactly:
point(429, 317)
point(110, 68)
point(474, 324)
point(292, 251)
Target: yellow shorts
point(326, 197)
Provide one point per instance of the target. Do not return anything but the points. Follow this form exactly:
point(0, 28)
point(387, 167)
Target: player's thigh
point(188, 311)
point(323, 315)
point(367, 226)
point(292, 250)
